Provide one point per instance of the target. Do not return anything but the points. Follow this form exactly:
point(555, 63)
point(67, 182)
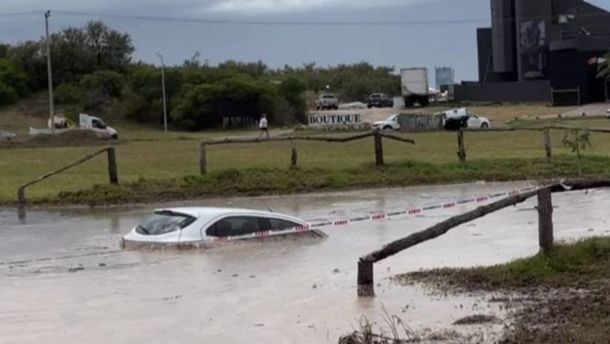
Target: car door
point(474, 121)
point(234, 226)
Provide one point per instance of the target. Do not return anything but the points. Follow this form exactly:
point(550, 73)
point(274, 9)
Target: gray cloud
point(294, 5)
point(194, 7)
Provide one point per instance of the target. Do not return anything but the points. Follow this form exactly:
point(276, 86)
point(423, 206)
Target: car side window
point(282, 225)
point(235, 226)
point(97, 124)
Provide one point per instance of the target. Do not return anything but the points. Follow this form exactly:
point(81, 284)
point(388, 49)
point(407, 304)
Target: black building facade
point(541, 50)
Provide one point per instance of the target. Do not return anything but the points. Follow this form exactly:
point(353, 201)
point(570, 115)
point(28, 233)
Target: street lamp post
point(47, 14)
point(163, 89)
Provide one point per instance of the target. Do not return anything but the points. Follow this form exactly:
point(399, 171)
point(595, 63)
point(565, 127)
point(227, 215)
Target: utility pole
point(163, 88)
point(47, 14)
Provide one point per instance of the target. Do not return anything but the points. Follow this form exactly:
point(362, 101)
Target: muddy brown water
point(64, 278)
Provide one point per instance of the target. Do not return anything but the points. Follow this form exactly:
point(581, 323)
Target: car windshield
point(163, 222)
point(98, 124)
point(328, 96)
point(392, 118)
point(375, 95)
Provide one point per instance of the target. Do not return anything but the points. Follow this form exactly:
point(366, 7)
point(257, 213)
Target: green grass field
point(148, 153)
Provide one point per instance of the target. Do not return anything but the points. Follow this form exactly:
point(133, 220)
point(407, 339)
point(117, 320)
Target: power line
point(275, 23)
point(238, 22)
point(22, 13)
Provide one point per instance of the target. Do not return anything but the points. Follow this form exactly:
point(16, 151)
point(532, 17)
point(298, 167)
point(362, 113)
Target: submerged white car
point(206, 226)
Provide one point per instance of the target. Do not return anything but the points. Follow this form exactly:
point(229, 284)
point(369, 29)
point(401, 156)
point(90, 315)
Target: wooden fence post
point(113, 174)
point(366, 283)
point(461, 148)
point(545, 220)
point(378, 148)
point(294, 156)
point(203, 158)
point(21, 201)
point(547, 142)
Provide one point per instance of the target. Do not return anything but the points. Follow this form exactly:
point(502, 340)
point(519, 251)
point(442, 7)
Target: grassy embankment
point(566, 293)
point(156, 166)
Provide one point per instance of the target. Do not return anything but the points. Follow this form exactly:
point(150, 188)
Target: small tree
point(577, 140)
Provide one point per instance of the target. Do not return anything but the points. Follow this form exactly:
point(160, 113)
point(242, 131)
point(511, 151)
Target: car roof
point(213, 212)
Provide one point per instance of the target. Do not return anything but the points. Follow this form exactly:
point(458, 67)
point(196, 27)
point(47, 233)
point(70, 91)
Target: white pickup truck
point(86, 122)
point(327, 101)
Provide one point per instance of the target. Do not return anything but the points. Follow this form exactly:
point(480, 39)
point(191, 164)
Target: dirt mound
point(68, 138)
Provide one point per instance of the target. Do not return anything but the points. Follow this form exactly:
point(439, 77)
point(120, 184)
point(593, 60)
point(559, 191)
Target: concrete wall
point(529, 91)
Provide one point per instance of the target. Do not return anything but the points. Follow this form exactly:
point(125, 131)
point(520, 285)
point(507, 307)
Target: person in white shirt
point(263, 125)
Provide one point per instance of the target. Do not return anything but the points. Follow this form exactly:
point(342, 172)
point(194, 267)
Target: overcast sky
point(430, 44)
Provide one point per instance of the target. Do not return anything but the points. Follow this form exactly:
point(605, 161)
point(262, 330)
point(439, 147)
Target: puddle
point(64, 279)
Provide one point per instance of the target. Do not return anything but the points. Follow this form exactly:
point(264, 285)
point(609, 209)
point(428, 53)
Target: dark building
point(540, 50)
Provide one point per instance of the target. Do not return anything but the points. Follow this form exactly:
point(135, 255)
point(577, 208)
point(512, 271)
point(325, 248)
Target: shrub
point(104, 83)
point(69, 94)
point(137, 108)
point(7, 94)
point(204, 106)
point(292, 107)
point(14, 77)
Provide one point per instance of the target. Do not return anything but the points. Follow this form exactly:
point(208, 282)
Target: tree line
point(94, 71)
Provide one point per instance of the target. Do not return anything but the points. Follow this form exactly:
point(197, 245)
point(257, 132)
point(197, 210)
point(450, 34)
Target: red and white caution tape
point(417, 211)
point(379, 216)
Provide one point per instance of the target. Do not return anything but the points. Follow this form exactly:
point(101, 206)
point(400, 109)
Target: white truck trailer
point(414, 84)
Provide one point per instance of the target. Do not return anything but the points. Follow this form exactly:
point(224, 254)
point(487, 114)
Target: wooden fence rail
point(112, 172)
point(546, 131)
point(545, 228)
point(377, 136)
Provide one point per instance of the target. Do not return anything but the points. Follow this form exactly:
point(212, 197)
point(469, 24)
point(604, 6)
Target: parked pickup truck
point(86, 122)
point(327, 101)
point(379, 100)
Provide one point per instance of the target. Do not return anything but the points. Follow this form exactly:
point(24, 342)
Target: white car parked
point(462, 118)
point(206, 226)
point(390, 123)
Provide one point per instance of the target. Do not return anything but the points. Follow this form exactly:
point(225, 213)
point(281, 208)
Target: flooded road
point(64, 278)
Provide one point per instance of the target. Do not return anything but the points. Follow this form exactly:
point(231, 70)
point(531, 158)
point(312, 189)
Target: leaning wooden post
point(461, 148)
point(113, 174)
point(378, 148)
point(366, 283)
point(547, 142)
point(545, 220)
point(203, 158)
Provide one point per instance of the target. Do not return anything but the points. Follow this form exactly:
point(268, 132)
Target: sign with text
point(344, 120)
